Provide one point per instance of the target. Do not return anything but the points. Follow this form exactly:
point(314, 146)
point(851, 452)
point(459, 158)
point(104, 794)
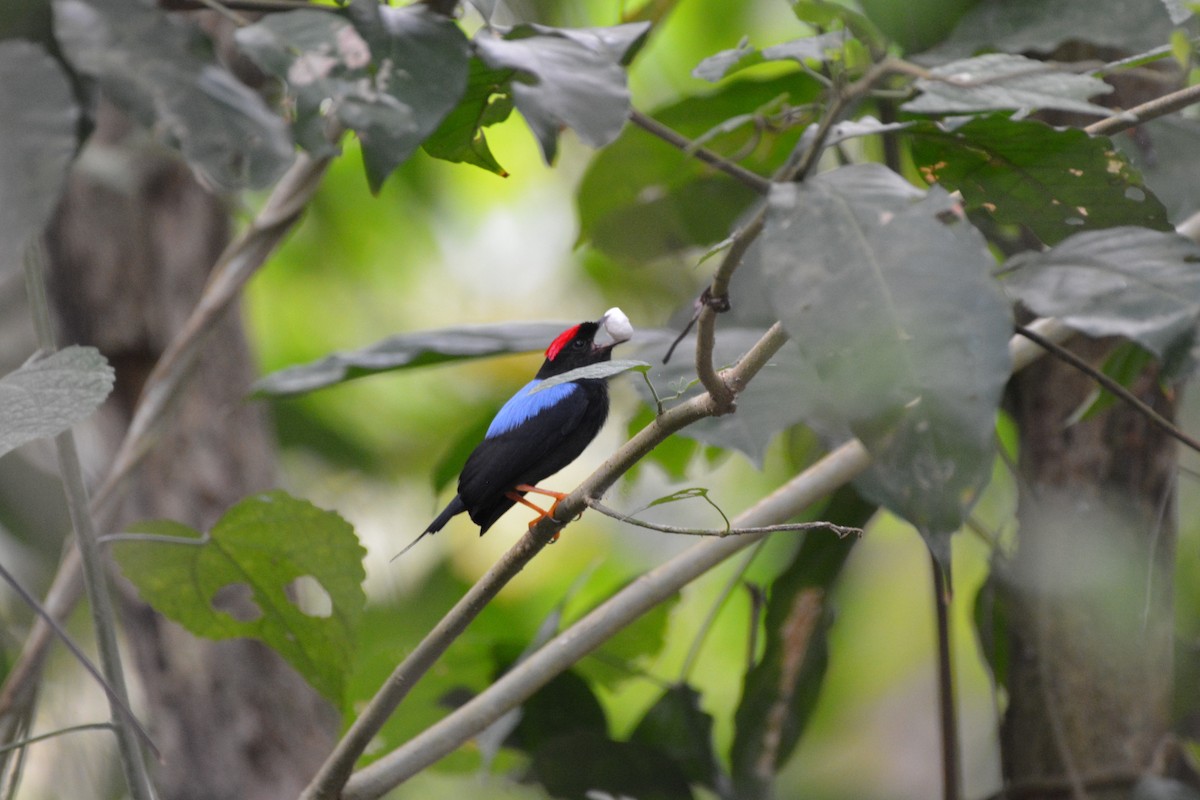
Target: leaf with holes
point(1057, 182)
point(274, 568)
point(47, 395)
point(486, 101)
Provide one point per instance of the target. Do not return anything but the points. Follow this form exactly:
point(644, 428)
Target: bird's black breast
point(531, 451)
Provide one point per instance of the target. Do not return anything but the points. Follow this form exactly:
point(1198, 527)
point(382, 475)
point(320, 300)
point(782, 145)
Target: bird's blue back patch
point(523, 406)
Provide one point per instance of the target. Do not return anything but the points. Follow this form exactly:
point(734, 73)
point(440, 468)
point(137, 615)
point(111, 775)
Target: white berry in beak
point(617, 325)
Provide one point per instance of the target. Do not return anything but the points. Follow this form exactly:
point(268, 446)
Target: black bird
point(537, 433)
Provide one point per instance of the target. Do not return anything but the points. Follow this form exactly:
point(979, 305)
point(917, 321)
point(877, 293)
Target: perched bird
point(537, 433)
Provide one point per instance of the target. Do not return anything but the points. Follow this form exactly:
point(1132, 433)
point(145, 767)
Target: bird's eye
point(578, 343)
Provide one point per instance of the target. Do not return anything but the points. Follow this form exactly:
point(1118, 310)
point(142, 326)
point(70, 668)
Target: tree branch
point(1153, 109)
point(731, 168)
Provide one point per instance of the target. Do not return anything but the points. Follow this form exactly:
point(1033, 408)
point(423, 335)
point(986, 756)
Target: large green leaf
point(888, 294)
point(1055, 181)
point(781, 690)
point(236, 581)
point(392, 76)
point(419, 349)
point(642, 199)
point(1020, 26)
point(1132, 282)
point(1002, 81)
point(47, 395)
point(678, 726)
point(145, 63)
point(586, 765)
point(38, 120)
point(568, 78)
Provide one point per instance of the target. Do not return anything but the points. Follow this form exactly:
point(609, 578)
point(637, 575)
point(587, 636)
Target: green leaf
point(1001, 81)
point(564, 706)
point(991, 629)
point(144, 62)
point(391, 77)
point(1042, 26)
point(610, 769)
point(1163, 152)
point(781, 690)
point(630, 649)
point(826, 15)
point(916, 24)
point(45, 396)
point(1055, 181)
point(642, 199)
point(570, 78)
point(683, 731)
point(888, 294)
point(235, 581)
point(1132, 282)
point(486, 101)
point(410, 350)
point(605, 369)
point(38, 119)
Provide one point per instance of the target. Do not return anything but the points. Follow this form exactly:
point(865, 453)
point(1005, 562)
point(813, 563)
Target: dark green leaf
point(410, 350)
point(680, 728)
point(38, 119)
point(143, 60)
point(582, 764)
point(781, 690)
point(392, 80)
point(673, 455)
point(888, 294)
point(1001, 81)
point(564, 706)
point(571, 78)
point(47, 395)
point(642, 199)
point(1124, 364)
point(1055, 181)
point(605, 369)
point(486, 101)
point(1132, 282)
point(1021, 26)
point(1163, 151)
point(623, 654)
point(235, 583)
point(991, 628)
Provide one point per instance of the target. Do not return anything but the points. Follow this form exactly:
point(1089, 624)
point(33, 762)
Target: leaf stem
point(94, 576)
point(731, 168)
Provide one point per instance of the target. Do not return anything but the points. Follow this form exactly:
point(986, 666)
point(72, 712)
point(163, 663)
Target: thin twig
point(731, 168)
point(89, 726)
point(947, 714)
point(1158, 107)
point(336, 770)
point(1062, 353)
point(842, 531)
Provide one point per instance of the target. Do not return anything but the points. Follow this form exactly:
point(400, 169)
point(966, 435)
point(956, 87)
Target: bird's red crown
point(561, 341)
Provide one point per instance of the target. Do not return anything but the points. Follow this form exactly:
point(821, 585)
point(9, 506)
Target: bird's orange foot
point(518, 497)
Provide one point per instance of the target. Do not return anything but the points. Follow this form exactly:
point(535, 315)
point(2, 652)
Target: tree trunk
point(1089, 596)
point(129, 257)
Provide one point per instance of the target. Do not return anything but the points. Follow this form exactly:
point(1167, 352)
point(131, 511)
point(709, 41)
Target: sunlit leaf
point(47, 395)
point(486, 101)
point(1132, 282)
point(144, 61)
point(1055, 181)
point(1001, 81)
point(888, 294)
point(235, 582)
point(38, 119)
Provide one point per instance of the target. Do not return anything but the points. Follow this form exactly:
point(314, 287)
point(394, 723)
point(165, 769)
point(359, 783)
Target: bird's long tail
point(455, 507)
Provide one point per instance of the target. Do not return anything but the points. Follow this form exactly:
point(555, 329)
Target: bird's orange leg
point(542, 514)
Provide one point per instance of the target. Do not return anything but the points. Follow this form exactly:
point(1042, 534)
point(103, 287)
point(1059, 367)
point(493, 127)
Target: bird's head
point(577, 346)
